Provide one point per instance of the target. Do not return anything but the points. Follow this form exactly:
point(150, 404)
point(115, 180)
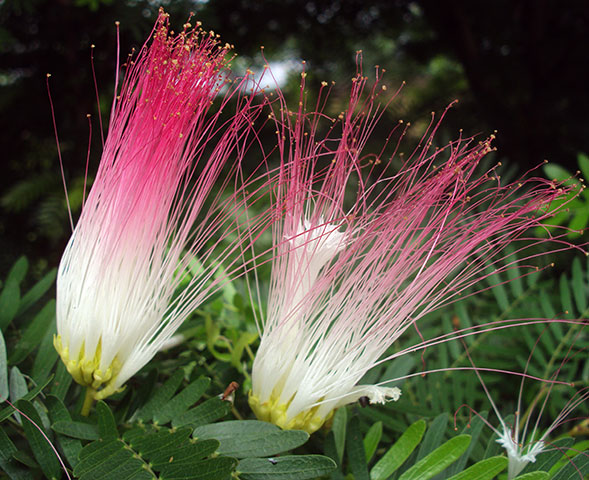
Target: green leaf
point(329, 451)
point(41, 445)
point(579, 287)
point(10, 294)
point(579, 222)
point(37, 291)
point(218, 468)
point(9, 302)
point(534, 476)
point(576, 467)
point(546, 304)
point(555, 172)
point(107, 426)
point(34, 333)
point(565, 297)
point(18, 387)
point(177, 405)
point(234, 428)
point(18, 271)
point(155, 444)
point(175, 455)
point(83, 431)
point(109, 459)
point(259, 445)
point(514, 274)
point(499, 291)
point(473, 429)
point(376, 415)
point(6, 412)
point(161, 396)
point(340, 419)
point(46, 356)
point(205, 413)
point(579, 448)
point(185, 454)
point(251, 438)
point(438, 460)
point(434, 435)
point(583, 161)
point(23, 457)
point(355, 451)
point(144, 391)
point(372, 439)
point(62, 382)
point(295, 467)
point(3, 370)
point(399, 452)
point(483, 470)
point(58, 413)
point(397, 368)
point(7, 462)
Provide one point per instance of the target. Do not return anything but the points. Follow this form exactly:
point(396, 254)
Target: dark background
point(518, 67)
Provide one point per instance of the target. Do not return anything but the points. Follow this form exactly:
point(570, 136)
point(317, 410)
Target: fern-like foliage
point(174, 421)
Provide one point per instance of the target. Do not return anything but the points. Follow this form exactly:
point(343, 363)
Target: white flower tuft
point(518, 455)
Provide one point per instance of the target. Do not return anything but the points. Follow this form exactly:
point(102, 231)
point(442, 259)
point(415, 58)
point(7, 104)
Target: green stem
point(249, 352)
point(88, 401)
point(236, 413)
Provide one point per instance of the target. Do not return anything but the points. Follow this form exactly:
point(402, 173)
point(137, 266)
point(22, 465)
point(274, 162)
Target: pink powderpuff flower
point(352, 272)
point(152, 233)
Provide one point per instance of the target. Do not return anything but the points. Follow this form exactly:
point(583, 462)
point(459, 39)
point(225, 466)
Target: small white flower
point(518, 455)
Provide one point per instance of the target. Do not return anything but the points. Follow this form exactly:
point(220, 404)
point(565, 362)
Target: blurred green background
point(516, 66)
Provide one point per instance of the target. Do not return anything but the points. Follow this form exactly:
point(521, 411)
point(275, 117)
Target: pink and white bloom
point(353, 271)
point(152, 221)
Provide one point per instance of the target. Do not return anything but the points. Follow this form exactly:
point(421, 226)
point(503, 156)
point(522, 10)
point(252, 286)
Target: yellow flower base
point(86, 371)
point(274, 412)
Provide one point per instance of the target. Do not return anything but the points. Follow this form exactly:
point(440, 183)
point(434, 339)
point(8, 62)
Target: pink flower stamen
point(152, 221)
point(352, 272)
